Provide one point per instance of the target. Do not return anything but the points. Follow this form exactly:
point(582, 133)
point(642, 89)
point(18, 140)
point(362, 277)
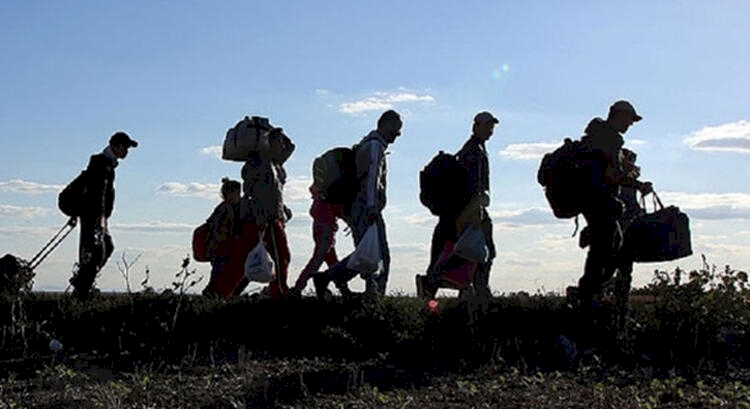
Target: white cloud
point(22, 212)
point(711, 206)
point(26, 231)
point(214, 150)
point(26, 187)
point(419, 219)
point(153, 227)
point(533, 216)
point(321, 91)
point(635, 142)
point(193, 189)
point(525, 151)
point(381, 101)
point(731, 137)
point(297, 190)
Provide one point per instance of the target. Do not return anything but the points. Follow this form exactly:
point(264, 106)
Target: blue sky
point(176, 75)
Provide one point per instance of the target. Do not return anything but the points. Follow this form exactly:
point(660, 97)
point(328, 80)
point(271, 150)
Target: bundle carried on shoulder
point(565, 174)
point(247, 137)
point(444, 185)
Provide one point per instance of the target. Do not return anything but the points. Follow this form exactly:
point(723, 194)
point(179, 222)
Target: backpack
point(335, 175)
point(70, 199)
point(565, 175)
point(248, 136)
point(443, 185)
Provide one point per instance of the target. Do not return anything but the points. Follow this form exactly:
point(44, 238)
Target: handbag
point(663, 235)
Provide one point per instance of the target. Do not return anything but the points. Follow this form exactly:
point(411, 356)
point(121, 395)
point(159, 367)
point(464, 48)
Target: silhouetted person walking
point(603, 208)
point(473, 157)
point(97, 205)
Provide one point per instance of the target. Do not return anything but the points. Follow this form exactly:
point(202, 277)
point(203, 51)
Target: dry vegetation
point(685, 343)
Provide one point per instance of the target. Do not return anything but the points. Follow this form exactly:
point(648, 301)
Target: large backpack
point(248, 136)
point(70, 199)
point(565, 174)
point(443, 185)
point(335, 175)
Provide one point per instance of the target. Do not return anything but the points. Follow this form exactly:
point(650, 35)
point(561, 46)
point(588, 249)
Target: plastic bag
point(366, 257)
point(472, 245)
point(259, 266)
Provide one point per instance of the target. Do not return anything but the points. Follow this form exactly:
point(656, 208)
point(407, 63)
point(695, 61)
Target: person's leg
point(382, 278)
point(601, 260)
point(482, 280)
point(323, 237)
point(339, 273)
point(277, 244)
point(91, 252)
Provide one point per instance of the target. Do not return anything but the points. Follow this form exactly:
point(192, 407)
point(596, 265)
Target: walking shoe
point(321, 281)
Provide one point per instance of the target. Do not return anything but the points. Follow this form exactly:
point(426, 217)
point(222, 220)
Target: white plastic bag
point(472, 245)
point(366, 256)
point(259, 266)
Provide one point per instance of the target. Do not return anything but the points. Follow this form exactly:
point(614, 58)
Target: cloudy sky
point(177, 75)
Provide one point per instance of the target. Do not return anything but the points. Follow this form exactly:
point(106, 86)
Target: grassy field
point(684, 343)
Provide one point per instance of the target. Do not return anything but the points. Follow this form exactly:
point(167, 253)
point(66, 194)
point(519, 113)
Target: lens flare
point(499, 72)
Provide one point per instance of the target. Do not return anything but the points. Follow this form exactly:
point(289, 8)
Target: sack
point(249, 136)
point(565, 174)
point(366, 256)
point(443, 185)
point(472, 245)
point(259, 265)
point(335, 175)
point(70, 199)
point(200, 242)
point(15, 275)
point(660, 236)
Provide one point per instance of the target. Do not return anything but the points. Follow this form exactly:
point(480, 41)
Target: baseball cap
point(484, 117)
point(626, 106)
point(121, 138)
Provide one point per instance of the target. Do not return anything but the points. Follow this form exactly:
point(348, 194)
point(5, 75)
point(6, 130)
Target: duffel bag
point(663, 235)
point(249, 136)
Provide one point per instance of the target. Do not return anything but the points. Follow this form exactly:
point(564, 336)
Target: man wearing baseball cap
point(602, 207)
point(465, 211)
point(96, 244)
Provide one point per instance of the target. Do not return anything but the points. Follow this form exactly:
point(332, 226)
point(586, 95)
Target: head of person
point(231, 191)
point(281, 146)
point(389, 125)
point(621, 115)
point(484, 125)
point(120, 142)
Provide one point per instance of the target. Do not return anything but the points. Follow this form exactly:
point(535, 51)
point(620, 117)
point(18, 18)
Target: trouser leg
point(602, 258)
point(482, 280)
point(323, 251)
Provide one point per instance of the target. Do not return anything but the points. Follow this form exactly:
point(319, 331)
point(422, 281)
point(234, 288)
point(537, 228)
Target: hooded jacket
point(605, 144)
point(371, 171)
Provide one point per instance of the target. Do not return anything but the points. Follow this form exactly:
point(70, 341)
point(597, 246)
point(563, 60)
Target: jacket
point(99, 195)
point(473, 157)
point(605, 144)
point(371, 171)
point(263, 185)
